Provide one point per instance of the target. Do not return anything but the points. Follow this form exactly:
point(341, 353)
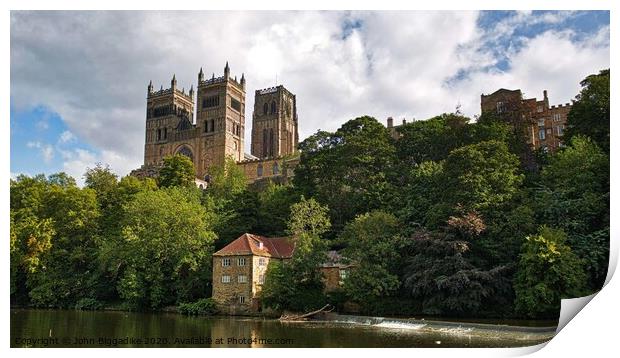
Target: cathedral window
point(271, 142)
point(265, 108)
point(211, 101)
point(159, 134)
point(274, 108)
point(236, 105)
point(165, 133)
point(265, 153)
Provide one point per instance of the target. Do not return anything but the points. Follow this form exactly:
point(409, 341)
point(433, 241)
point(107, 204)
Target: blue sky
point(78, 80)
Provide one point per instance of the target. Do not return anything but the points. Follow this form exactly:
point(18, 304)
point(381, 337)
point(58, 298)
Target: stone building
point(543, 124)
point(239, 270)
point(217, 129)
point(335, 270)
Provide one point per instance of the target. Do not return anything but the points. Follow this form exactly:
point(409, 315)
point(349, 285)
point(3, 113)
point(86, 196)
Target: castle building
point(543, 124)
point(218, 130)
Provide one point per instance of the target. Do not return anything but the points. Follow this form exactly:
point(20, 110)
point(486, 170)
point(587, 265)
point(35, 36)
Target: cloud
point(46, 150)
point(66, 137)
point(92, 68)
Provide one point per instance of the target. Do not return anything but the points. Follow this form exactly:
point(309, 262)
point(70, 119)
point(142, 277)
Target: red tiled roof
point(250, 244)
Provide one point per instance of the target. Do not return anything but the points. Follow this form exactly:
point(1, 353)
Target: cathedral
point(208, 124)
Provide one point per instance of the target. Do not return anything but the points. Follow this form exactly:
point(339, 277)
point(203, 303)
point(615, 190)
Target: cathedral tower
point(274, 123)
point(220, 118)
point(168, 113)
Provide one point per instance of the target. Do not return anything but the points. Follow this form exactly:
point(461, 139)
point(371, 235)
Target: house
point(239, 270)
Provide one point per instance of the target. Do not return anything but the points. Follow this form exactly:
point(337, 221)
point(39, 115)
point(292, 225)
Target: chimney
point(390, 122)
point(545, 94)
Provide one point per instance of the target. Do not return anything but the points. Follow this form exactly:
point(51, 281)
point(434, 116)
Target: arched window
point(265, 108)
point(259, 170)
point(212, 125)
point(271, 142)
point(273, 107)
point(265, 144)
point(184, 150)
point(276, 168)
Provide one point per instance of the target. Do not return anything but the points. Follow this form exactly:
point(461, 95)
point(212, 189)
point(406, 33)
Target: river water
point(69, 328)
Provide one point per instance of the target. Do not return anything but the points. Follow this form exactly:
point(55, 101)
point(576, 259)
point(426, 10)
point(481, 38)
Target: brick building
point(543, 124)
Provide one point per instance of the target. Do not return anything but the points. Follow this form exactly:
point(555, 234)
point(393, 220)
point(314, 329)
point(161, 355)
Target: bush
point(88, 304)
point(204, 306)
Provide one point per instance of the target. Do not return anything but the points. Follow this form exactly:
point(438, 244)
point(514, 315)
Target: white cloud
point(66, 137)
point(46, 150)
point(92, 68)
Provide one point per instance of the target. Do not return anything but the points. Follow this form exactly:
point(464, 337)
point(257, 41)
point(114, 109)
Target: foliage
point(226, 181)
point(440, 276)
point(373, 244)
point(548, 271)
point(165, 252)
point(296, 283)
point(349, 170)
point(178, 170)
point(88, 304)
point(590, 114)
point(204, 306)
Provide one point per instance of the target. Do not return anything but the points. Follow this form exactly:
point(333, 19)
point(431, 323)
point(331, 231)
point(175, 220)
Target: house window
point(557, 117)
point(226, 279)
point(500, 106)
point(241, 261)
point(259, 170)
point(261, 279)
point(262, 261)
point(343, 274)
point(242, 299)
point(225, 262)
point(541, 134)
point(541, 122)
point(539, 109)
point(242, 279)
point(560, 130)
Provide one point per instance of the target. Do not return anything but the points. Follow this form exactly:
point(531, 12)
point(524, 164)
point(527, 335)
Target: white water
point(399, 325)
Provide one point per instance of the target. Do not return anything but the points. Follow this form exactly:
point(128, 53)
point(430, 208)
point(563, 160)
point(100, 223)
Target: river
point(71, 328)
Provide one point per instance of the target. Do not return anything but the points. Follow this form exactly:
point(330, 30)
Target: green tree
point(573, 194)
point(275, 208)
point(296, 283)
point(349, 170)
point(589, 115)
point(166, 249)
point(374, 244)
point(178, 170)
point(226, 180)
point(548, 271)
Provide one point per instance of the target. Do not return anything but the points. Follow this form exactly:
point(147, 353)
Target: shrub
point(204, 306)
point(88, 304)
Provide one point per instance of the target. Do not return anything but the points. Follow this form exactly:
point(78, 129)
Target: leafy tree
point(274, 208)
point(226, 180)
point(573, 194)
point(589, 115)
point(178, 170)
point(548, 271)
point(349, 170)
point(373, 242)
point(296, 283)
point(166, 249)
point(442, 278)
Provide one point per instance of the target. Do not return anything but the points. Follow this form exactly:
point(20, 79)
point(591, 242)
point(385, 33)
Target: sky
point(79, 79)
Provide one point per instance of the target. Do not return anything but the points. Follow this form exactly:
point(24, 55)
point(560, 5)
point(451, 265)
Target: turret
point(226, 71)
point(243, 80)
point(201, 76)
point(390, 122)
point(191, 91)
point(150, 87)
point(173, 83)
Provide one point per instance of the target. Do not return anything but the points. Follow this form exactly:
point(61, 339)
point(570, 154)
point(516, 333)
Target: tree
point(548, 271)
point(573, 194)
point(440, 276)
point(590, 114)
point(374, 244)
point(349, 170)
point(178, 170)
point(166, 249)
point(297, 283)
point(226, 180)
point(275, 208)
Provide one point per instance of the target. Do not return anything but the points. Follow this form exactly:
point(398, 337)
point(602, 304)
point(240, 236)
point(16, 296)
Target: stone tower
point(169, 115)
point(220, 119)
point(274, 123)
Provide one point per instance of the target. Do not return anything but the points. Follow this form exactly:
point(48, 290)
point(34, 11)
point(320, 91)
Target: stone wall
point(227, 294)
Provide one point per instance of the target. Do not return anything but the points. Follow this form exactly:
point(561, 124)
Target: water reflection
point(60, 328)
